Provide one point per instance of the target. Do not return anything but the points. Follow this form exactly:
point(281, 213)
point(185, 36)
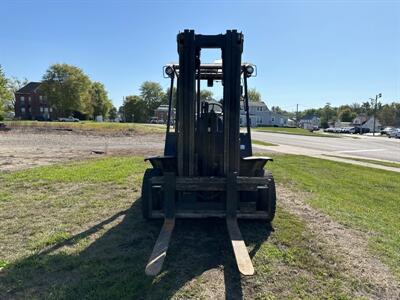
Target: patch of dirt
point(22, 149)
point(348, 244)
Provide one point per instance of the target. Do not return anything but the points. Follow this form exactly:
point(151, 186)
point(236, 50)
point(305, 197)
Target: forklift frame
point(196, 163)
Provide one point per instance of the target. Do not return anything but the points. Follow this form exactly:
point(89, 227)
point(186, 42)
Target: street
point(368, 147)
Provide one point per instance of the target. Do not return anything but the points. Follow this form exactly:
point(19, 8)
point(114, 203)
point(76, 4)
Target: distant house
point(260, 115)
point(310, 122)
point(362, 120)
point(30, 104)
point(291, 123)
point(161, 113)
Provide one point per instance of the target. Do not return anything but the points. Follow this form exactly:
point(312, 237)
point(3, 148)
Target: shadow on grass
point(113, 265)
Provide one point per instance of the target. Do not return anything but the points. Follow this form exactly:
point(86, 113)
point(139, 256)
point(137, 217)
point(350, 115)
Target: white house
point(362, 120)
point(260, 115)
point(310, 122)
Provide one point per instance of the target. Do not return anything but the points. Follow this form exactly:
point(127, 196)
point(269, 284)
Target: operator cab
point(209, 120)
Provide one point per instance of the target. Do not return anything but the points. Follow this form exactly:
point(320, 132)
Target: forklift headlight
point(169, 71)
point(249, 70)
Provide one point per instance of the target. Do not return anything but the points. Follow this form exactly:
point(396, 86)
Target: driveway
point(368, 147)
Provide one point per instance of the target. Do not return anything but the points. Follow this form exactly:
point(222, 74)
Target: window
point(29, 100)
point(41, 109)
point(51, 110)
point(23, 109)
point(22, 99)
point(46, 109)
point(273, 119)
point(41, 98)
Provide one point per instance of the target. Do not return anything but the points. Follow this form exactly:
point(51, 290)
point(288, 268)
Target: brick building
point(31, 105)
point(161, 113)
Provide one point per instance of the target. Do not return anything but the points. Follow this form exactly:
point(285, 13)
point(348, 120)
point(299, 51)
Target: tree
point(134, 109)
point(328, 113)
point(100, 104)
point(112, 113)
point(346, 114)
point(5, 94)
point(152, 95)
point(14, 84)
point(389, 115)
point(68, 89)
point(174, 96)
point(254, 95)
point(367, 108)
point(206, 95)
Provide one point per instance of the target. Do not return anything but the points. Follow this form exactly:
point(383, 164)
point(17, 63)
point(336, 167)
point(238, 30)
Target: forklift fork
point(159, 253)
point(160, 249)
point(243, 260)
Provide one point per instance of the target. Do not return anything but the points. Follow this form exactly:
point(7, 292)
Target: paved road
point(364, 147)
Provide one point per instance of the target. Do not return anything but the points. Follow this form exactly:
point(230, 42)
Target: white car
point(69, 119)
point(395, 133)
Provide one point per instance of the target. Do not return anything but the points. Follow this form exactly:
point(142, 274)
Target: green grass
point(90, 126)
point(75, 231)
point(262, 143)
point(371, 161)
point(363, 198)
point(294, 131)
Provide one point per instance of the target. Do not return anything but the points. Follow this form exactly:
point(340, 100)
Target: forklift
point(208, 169)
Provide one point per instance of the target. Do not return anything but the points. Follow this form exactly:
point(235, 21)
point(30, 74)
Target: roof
point(309, 117)
point(253, 103)
point(29, 88)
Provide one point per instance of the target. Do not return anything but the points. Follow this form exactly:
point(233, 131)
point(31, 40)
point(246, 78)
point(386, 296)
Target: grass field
point(90, 126)
point(371, 161)
point(295, 131)
point(363, 198)
point(75, 231)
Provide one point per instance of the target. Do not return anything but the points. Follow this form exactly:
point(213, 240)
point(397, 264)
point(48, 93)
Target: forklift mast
point(189, 49)
point(189, 143)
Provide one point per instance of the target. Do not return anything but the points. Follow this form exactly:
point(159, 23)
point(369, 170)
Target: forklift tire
point(267, 197)
point(150, 173)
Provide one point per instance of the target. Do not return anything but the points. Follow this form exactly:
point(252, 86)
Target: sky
point(307, 52)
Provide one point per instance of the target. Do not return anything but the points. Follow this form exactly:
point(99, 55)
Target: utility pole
point(297, 115)
point(376, 104)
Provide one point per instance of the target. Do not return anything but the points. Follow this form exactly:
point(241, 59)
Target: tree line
point(71, 92)
point(68, 89)
point(140, 108)
point(387, 114)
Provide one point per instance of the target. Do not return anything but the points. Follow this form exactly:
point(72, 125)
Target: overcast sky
point(307, 52)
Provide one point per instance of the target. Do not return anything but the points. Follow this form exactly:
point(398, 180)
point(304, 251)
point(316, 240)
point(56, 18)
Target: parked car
point(364, 130)
point(42, 119)
point(387, 130)
point(395, 133)
point(69, 119)
point(337, 130)
point(155, 120)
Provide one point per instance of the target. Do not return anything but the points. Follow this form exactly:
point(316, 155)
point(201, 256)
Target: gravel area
point(24, 149)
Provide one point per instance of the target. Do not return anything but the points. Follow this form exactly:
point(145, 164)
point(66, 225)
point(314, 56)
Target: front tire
point(146, 189)
point(267, 197)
